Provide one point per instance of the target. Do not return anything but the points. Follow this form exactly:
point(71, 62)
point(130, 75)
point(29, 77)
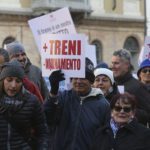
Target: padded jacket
point(15, 126)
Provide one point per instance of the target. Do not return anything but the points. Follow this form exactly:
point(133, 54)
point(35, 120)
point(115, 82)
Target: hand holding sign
point(54, 79)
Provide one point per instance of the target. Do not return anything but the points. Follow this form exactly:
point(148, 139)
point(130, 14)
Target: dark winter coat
point(109, 95)
point(76, 119)
point(138, 89)
point(34, 74)
point(132, 136)
point(16, 124)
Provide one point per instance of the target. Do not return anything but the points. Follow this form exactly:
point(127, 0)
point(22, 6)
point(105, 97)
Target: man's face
point(118, 66)
point(21, 57)
point(81, 86)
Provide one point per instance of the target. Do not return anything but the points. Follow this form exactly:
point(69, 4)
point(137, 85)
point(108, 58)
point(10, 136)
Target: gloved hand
point(54, 79)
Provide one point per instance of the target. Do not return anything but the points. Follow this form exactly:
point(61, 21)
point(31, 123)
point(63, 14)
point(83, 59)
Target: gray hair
point(4, 53)
point(123, 54)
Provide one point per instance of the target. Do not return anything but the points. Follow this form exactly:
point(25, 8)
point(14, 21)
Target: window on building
point(98, 50)
point(8, 40)
point(131, 44)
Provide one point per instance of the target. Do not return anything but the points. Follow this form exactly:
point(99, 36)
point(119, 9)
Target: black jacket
point(132, 136)
point(16, 125)
point(109, 95)
point(138, 89)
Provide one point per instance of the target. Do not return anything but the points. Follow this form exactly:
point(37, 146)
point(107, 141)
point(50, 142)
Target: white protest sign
point(57, 22)
point(145, 52)
point(90, 52)
point(65, 52)
point(121, 89)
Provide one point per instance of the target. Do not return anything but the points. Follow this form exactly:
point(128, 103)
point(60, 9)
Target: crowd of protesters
point(93, 115)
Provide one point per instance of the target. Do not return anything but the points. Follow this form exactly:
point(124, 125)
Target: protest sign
point(65, 52)
point(145, 52)
point(90, 52)
point(57, 22)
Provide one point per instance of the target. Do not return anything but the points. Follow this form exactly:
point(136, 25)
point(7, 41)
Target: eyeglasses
point(145, 70)
point(125, 109)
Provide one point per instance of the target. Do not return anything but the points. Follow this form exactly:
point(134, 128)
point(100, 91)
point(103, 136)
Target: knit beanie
point(145, 63)
point(14, 47)
point(102, 65)
point(12, 69)
point(89, 68)
point(104, 71)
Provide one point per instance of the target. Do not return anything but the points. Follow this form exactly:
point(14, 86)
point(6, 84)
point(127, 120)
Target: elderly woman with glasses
point(123, 132)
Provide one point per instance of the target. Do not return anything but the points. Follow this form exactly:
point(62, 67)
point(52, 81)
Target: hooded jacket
point(76, 118)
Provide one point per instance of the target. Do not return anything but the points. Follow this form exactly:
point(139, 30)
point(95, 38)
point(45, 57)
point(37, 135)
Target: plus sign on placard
point(45, 47)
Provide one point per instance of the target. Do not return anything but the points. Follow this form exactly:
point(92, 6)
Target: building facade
point(109, 24)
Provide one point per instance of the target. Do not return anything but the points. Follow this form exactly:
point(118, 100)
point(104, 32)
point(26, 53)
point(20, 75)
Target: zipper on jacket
point(8, 140)
point(76, 125)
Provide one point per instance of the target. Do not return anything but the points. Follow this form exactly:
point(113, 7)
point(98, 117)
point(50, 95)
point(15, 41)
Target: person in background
point(122, 74)
point(144, 73)
point(122, 132)
point(104, 80)
point(17, 51)
point(102, 65)
point(20, 112)
point(76, 113)
point(30, 86)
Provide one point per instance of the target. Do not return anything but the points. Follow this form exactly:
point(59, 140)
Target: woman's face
point(12, 85)
point(145, 75)
point(122, 116)
point(102, 82)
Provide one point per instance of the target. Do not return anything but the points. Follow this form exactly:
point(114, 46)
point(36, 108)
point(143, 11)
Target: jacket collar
point(130, 126)
point(93, 93)
point(27, 66)
point(122, 79)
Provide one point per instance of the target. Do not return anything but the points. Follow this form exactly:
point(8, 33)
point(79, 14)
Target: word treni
point(65, 47)
point(60, 63)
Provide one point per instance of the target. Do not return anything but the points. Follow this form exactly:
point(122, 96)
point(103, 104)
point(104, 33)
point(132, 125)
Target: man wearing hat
point(144, 73)
point(17, 51)
point(77, 113)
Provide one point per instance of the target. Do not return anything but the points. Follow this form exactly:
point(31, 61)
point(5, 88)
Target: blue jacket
point(76, 118)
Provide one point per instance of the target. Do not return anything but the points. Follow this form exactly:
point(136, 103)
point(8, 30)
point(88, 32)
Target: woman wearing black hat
point(20, 112)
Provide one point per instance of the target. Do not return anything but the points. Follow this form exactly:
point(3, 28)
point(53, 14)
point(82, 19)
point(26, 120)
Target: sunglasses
point(145, 70)
point(125, 109)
